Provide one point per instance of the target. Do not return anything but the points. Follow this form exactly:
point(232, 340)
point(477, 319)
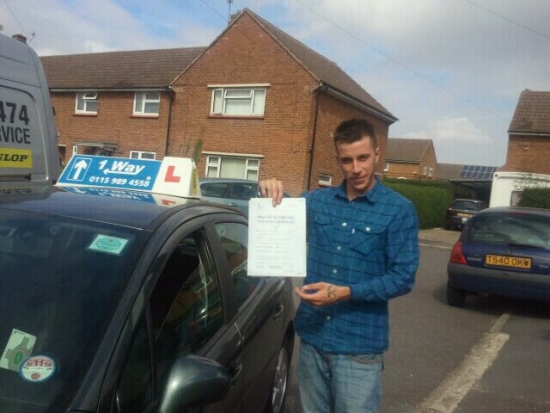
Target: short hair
point(353, 130)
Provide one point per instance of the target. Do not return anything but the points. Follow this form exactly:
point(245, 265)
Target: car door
point(260, 315)
point(185, 315)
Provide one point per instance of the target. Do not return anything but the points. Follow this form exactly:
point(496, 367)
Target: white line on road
point(454, 388)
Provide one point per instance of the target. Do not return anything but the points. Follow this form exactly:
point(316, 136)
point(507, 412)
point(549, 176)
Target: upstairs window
point(147, 104)
point(241, 167)
point(86, 103)
point(142, 155)
point(241, 101)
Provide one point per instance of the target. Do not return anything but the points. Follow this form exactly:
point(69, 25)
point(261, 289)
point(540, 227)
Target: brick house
point(256, 103)
point(410, 159)
point(529, 134)
point(115, 103)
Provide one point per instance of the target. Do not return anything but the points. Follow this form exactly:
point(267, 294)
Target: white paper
point(277, 238)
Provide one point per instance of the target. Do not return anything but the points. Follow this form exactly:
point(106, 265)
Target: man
point(362, 251)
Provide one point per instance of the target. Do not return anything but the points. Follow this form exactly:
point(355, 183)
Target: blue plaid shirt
point(369, 244)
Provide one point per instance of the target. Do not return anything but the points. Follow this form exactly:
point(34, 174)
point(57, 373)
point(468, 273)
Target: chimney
point(20, 37)
point(234, 16)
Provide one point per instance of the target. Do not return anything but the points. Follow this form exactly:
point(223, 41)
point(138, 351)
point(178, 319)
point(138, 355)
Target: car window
point(523, 229)
point(243, 191)
point(77, 271)
point(186, 305)
point(468, 205)
point(234, 241)
point(186, 311)
point(216, 189)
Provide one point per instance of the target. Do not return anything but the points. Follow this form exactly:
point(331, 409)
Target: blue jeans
point(339, 383)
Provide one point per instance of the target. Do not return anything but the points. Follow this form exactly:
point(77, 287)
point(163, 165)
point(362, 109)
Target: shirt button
point(334, 271)
point(338, 247)
point(328, 318)
point(344, 224)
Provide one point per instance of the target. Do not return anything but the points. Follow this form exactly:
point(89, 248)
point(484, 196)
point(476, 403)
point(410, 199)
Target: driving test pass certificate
point(277, 238)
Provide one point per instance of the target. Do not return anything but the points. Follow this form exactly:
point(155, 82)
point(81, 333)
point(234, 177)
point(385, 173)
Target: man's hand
point(322, 293)
point(272, 188)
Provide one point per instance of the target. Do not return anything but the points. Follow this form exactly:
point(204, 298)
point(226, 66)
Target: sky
point(449, 70)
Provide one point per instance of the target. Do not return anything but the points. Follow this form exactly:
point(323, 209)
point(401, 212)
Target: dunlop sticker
point(15, 158)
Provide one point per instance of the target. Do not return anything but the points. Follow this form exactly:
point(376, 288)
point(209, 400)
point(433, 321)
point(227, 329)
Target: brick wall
point(113, 123)
point(528, 154)
point(246, 54)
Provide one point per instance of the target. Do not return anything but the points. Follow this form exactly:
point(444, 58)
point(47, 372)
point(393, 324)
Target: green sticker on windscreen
point(106, 243)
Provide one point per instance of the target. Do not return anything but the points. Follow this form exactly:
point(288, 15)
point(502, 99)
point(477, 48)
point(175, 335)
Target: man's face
point(357, 161)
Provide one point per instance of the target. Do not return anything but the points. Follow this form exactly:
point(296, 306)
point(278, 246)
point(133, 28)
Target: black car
point(502, 251)
point(460, 210)
point(114, 303)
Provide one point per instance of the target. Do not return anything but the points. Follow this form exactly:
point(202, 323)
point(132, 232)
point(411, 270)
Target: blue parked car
point(228, 191)
point(502, 251)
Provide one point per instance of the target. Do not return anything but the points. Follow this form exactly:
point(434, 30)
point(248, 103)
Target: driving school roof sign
point(173, 176)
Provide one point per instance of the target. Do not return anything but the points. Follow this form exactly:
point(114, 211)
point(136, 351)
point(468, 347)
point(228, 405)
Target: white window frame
point(430, 172)
point(325, 179)
point(144, 101)
point(386, 166)
point(425, 170)
point(221, 95)
point(143, 155)
point(214, 164)
point(86, 98)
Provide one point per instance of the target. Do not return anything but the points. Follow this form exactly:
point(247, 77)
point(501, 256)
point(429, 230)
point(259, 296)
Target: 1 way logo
point(15, 158)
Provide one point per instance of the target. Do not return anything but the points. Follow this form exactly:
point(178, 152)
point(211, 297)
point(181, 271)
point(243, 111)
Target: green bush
point(535, 197)
point(431, 199)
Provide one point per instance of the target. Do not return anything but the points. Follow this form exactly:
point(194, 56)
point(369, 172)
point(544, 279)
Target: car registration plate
point(462, 214)
point(505, 261)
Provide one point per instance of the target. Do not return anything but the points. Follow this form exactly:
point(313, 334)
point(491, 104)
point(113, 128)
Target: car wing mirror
point(194, 380)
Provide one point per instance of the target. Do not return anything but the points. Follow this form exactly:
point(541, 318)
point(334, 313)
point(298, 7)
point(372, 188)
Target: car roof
point(514, 210)
point(228, 180)
point(131, 212)
point(479, 201)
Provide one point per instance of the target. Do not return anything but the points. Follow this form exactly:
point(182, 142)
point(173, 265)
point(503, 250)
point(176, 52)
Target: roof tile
point(139, 69)
point(532, 114)
point(406, 150)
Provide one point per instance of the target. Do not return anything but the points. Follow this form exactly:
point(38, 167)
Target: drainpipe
point(169, 126)
point(321, 88)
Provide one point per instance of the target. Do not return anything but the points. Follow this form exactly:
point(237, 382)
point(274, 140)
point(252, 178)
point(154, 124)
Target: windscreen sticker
point(19, 347)
point(106, 243)
point(37, 368)
point(15, 158)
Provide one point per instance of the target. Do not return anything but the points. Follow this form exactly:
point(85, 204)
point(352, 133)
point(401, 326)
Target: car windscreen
point(61, 279)
point(468, 205)
point(511, 229)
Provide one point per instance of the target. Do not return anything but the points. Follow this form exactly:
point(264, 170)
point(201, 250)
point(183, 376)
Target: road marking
point(426, 244)
point(456, 386)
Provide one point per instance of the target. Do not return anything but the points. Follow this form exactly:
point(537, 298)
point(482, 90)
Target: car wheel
point(455, 297)
point(280, 380)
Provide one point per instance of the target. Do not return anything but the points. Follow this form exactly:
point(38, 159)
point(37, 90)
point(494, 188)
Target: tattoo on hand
point(331, 293)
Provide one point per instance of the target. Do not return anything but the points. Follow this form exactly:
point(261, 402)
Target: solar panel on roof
point(477, 172)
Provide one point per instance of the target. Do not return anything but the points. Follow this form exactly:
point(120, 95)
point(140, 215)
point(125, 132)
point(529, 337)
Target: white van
point(28, 137)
